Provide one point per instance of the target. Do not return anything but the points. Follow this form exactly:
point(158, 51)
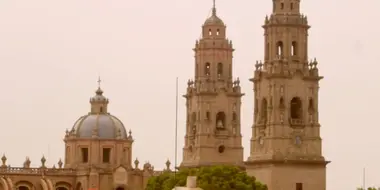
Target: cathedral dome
point(98, 123)
point(103, 126)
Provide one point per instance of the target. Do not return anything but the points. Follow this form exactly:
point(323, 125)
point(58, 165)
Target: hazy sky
point(51, 53)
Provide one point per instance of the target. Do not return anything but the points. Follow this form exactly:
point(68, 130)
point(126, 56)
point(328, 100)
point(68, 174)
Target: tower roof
point(214, 19)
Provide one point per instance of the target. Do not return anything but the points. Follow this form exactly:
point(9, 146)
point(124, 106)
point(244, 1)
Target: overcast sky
point(51, 53)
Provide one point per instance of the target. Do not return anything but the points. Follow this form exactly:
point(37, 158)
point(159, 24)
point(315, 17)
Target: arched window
point(280, 48)
point(311, 105)
point(291, 6)
point(220, 70)
point(282, 104)
point(209, 32)
point(78, 186)
point(220, 120)
point(23, 188)
point(294, 48)
point(217, 32)
point(101, 109)
point(296, 108)
point(208, 115)
point(264, 106)
point(207, 69)
point(282, 6)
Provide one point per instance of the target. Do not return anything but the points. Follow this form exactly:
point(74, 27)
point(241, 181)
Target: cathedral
point(285, 144)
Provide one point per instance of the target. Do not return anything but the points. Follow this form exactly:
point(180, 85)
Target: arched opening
point(209, 32)
point(294, 48)
point(282, 103)
point(120, 188)
point(207, 69)
point(221, 148)
point(62, 188)
point(220, 120)
point(220, 70)
point(311, 105)
point(208, 115)
point(78, 186)
point(264, 106)
point(217, 32)
point(193, 123)
point(62, 185)
point(282, 6)
point(256, 109)
point(234, 116)
point(279, 48)
point(22, 188)
point(296, 108)
point(101, 109)
point(24, 185)
point(291, 6)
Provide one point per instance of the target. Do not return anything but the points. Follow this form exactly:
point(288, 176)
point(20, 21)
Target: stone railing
point(39, 171)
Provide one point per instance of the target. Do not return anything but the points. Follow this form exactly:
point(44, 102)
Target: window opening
point(294, 48)
point(84, 155)
point(207, 69)
point(106, 155)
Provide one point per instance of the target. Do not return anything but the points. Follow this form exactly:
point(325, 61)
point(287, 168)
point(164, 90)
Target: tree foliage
point(208, 178)
point(369, 188)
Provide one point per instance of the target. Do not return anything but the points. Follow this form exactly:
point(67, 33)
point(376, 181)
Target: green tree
point(369, 188)
point(208, 178)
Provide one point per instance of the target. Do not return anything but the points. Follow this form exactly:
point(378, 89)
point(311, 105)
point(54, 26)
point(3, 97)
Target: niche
point(296, 108)
point(220, 120)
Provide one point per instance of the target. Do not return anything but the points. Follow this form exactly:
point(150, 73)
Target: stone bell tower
point(286, 146)
point(213, 100)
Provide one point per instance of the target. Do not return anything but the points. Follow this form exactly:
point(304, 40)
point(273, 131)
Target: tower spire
point(213, 8)
point(99, 81)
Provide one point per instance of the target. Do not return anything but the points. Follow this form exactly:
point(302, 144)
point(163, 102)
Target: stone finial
point(67, 133)
point(27, 163)
point(146, 166)
point(54, 167)
point(60, 163)
point(130, 134)
point(167, 165)
point(43, 161)
point(137, 163)
point(4, 161)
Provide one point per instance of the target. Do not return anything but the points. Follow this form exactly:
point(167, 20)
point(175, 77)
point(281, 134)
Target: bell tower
point(286, 146)
point(213, 100)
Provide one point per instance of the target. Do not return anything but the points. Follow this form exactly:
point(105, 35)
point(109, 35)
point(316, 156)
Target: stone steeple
point(286, 131)
point(213, 99)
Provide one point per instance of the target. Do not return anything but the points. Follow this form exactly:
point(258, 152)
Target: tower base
point(289, 174)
